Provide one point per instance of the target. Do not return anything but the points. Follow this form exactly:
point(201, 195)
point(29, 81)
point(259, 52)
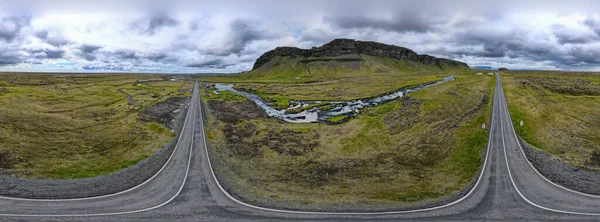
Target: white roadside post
point(521, 123)
point(483, 126)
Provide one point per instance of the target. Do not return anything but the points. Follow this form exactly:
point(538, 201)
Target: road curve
point(509, 189)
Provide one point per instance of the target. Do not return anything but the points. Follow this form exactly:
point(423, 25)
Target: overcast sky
point(228, 36)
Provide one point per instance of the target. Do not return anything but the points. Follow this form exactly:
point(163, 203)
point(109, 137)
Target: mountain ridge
point(337, 48)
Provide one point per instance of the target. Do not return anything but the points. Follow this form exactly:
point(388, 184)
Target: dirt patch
point(237, 140)
point(3, 90)
point(229, 113)
point(163, 112)
point(468, 116)
point(289, 143)
point(6, 161)
point(594, 159)
point(245, 139)
point(401, 119)
point(130, 99)
point(572, 86)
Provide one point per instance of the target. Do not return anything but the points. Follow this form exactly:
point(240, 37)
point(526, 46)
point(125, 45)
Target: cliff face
point(340, 47)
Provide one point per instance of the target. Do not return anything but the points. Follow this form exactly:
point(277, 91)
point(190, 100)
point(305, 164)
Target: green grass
point(303, 108)
point(559, 112)
point(225, 96)
point(335, 119)
point(76, 126)
point(403, 151)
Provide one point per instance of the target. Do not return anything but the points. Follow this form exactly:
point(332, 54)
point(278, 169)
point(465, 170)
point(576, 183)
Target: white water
point(315, 114)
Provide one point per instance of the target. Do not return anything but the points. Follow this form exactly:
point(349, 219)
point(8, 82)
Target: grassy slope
point(559, 111)
point(411, 149)
point(75, 126)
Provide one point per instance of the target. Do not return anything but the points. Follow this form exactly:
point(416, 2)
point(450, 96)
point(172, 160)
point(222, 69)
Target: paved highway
point(508, 188)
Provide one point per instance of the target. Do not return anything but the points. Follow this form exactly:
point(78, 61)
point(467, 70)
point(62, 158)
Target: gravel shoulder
point(102, 185)
point(572, 177)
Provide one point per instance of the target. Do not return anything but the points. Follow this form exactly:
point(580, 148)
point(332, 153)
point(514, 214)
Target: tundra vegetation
point(426, 145)
point(419, 149)
point(82, 125)
point(559, 111)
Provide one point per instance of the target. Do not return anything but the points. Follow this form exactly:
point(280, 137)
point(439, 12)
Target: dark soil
point(243, 136)
point(288, 142)
point(3, 90)
point(130, 99)
point(6, 161)
point(229, 113)
point(163, 112)
point(401, 119)
point(572, 86)
point(594, 159)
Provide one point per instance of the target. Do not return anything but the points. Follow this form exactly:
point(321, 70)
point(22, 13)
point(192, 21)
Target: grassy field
point(75, 126)
point(290, 79)
point(559, 111)
point(424, 146)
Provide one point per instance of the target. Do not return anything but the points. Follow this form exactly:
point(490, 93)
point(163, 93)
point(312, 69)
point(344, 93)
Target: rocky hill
point(352, 50)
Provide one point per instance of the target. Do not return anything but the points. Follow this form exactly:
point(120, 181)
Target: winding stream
point(323, 110)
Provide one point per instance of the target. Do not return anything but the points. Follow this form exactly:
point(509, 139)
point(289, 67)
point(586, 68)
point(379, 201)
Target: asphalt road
point(186, 189)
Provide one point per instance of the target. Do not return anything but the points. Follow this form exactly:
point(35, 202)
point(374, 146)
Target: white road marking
point(530, 164)
point(521, 194)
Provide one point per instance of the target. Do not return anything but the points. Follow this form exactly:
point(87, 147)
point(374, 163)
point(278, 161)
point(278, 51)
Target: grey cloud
point(10, 27)
point(516, 45)
point(89, 57)
point(85, 48)
point(125, 54)
point(50, 54)
point(43, 34)
point(241, 33)
point(405, 22)
point(593, 24)
point(156, 56)
point(566, 35)
point(212, 63)
point(153, 24)
point(7, 58)
point(56, 41)
point(87, 51)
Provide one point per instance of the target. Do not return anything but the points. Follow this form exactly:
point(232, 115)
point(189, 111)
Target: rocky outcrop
point(341, 47)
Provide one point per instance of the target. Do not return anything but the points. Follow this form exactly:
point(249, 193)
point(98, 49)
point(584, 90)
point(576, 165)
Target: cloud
point(9, 58)
point(151, 25)
point(47, 53)
point(10, 27)
point(225, 36)
point(125, 54)
point(213, 64)
point(88, 51)
point(566, 35)
point(85, 48)
point(233, 38)
point(405, 22)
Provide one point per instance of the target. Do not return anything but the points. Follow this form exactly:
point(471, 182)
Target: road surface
point(186, 189)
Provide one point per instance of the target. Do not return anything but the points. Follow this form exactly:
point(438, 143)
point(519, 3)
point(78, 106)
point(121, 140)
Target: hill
point(343, 58)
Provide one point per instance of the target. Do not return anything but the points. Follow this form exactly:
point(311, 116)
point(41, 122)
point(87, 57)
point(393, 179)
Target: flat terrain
point(425, 146)
point(75, 126)
point(560, 113)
